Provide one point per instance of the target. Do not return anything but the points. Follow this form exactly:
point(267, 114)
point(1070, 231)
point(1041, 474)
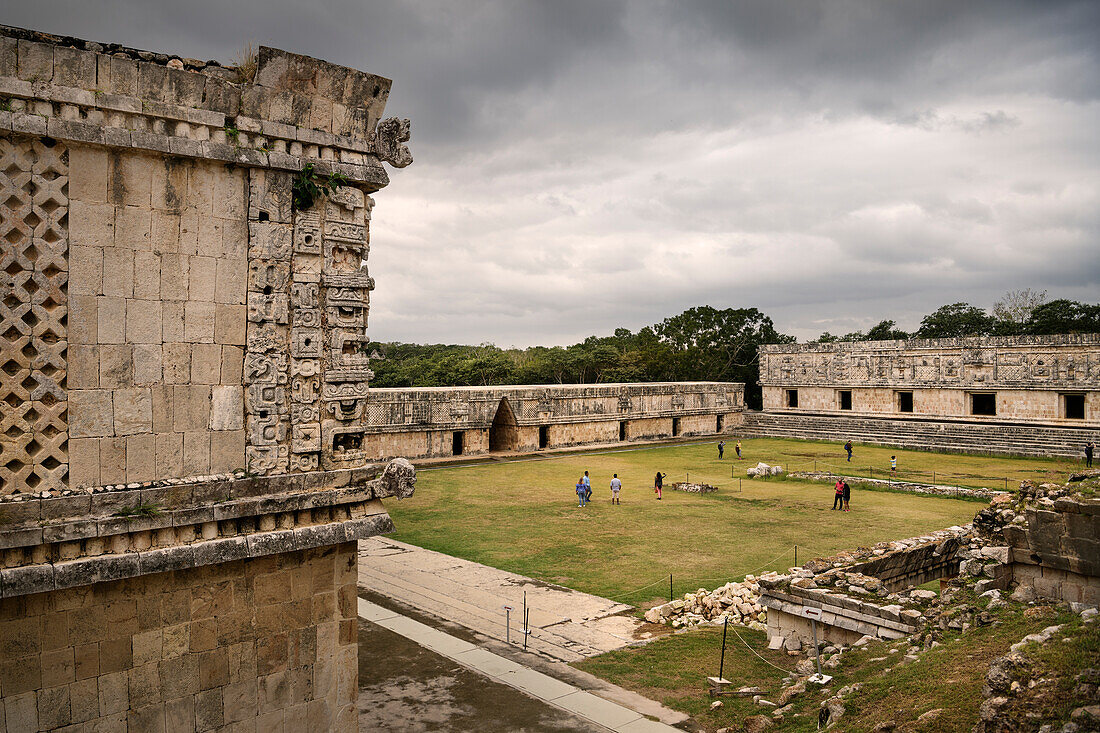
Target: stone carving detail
point(34, 205)
point(981, 364)
point(388, 138)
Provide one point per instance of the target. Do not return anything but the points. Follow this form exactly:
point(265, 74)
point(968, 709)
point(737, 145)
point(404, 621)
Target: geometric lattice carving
point(34, 207)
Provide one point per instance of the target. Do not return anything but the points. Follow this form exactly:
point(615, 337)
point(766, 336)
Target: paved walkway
point(565, 624)
point(561, 695)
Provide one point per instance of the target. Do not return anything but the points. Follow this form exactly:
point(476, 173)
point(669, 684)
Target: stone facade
point(184, 378)
point(938, 394)
point(447, 421)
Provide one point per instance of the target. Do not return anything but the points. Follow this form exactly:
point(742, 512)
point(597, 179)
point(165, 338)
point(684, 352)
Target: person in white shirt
point(616, 486)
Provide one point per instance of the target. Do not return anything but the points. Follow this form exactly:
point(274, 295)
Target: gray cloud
point(582, 166)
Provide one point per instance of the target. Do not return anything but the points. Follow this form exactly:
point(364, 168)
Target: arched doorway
point(504, 433)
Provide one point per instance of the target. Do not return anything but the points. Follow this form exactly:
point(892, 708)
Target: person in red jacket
point(838, 499)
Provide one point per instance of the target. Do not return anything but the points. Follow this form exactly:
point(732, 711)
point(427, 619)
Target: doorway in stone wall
point(504, 433)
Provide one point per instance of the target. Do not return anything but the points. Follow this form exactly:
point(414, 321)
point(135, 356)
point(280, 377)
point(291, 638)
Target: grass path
point(523, 517)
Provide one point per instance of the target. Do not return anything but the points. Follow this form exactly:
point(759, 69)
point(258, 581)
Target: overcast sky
point(586, 165)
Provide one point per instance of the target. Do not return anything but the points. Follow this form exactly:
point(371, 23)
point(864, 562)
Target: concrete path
point(565, 624)
point(604, 714)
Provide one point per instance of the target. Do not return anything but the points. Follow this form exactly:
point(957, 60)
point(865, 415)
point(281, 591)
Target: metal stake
point(508, 624)
point(722, 663)
point(670, 587)
point(817, 649)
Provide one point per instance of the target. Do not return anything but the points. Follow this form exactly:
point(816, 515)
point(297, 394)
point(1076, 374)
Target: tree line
point(700, 344)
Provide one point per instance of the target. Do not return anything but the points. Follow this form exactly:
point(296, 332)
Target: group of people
point(1089, 448)
point(736, 447)
point(584, 488)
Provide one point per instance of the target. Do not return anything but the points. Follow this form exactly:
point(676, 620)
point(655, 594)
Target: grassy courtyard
point(522, 516)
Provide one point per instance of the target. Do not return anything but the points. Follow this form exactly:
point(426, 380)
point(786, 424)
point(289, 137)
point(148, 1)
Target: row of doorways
point(504, 432)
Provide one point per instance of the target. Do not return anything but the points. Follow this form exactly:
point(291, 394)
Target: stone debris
point(693, 488)
point(763, 470)
point(738, 602)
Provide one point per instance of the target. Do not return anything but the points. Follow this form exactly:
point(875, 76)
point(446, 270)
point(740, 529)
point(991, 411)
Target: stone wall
point(268, 644)
point(1046, 382)
point(424, 421)
point(184, 376)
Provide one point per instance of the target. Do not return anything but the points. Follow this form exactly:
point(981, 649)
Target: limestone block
point(172, 321)
point(227, 408)
point(133, 411)
point(169, 455)
point(196, 453)
point(91, 225)
point(133, 227)
point(164, 232)
point(111, 320)
point(203, 278)
point(268, 276)
point(229, 324)
point(147, 276)
point(21, 711)
point(91, 413)
point(230, 282)
point(84, 462)
point(306, 438)
point(73, 67)
point(232, 365)
point(116, 367)
point(227, 450)
point(148, 364)
point(175, 275)
point(35, 61)
point(270, 308)
point(190, 408)
point(83, 367)
point(206, 364)
point(229, 195)
point(235, 239)
point(143, 321)
point(211, 239)
point(199, 322)
point(141, 457)
point(177, 363)
point(83, 319)
point(85, 270)
point(112, 461)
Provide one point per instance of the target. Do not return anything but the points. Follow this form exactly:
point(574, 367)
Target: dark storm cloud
point(587, 165)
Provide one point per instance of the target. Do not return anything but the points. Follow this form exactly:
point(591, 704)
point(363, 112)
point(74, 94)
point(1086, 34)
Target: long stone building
point(183, 372)
point(453, 421)
point(1037, 395)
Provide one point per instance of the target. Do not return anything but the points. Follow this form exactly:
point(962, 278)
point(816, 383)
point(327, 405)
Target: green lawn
point(522, 516)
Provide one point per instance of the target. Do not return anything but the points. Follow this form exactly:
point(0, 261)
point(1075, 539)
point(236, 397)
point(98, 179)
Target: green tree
point(955, 320)
point(1064, 316)
point(885, 331)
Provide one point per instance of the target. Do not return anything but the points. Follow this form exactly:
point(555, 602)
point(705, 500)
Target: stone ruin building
point(1032, 395)
point(183, 370)
point(453, 421)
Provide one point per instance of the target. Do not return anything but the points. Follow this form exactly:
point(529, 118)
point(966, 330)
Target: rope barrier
point(765, 661)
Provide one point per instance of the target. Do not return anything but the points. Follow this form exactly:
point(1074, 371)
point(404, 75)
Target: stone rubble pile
point(763, 469)
point(909, 487)
point(739, 602)
point(693, 488)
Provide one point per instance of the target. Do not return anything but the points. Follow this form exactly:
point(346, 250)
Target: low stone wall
point(908, 487)
point(939, 435)
point(862, 592)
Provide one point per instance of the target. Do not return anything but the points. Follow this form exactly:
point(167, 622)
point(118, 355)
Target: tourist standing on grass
point(738, 449)
point(616, 486)
point(838, 498)
point(721, 448)
point(848, 447)
point(893, 464)
point(1089, 448)
point(847, 495)
point(587, 487)
point(658, 482)
point(582, 492)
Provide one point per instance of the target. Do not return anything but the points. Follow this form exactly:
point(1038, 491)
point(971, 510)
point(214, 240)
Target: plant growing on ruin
point(309, 184)
point(246, 62)
point(233, 135)
point(138, 510)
